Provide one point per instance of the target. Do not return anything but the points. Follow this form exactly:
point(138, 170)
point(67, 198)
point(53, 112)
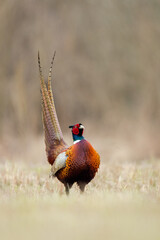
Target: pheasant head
point(77, 132)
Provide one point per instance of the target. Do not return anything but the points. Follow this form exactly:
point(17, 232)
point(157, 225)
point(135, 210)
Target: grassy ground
point(122, 202)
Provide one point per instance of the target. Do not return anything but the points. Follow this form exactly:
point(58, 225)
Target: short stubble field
point(122, 202)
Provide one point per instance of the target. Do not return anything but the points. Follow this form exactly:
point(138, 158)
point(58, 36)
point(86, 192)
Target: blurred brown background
point(106, 71)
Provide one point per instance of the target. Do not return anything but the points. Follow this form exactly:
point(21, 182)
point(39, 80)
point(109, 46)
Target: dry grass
point(122, 202)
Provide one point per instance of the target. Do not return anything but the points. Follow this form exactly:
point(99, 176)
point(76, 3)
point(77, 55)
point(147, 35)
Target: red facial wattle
point(75, 129)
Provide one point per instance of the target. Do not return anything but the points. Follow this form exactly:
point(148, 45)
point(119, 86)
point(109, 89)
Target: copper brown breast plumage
point(77, 163)
point(82, 163)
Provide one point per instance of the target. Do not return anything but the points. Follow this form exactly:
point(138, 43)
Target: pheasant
point(77, 163)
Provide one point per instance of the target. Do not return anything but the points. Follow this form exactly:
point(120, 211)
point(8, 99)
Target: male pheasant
point(77, 163)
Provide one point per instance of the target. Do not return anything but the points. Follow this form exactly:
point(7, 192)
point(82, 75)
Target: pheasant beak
point(81, 127)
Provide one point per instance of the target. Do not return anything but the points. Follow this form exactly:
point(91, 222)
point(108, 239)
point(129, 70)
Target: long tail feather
point(53, 134)
point(49, 80)
point(48, 106)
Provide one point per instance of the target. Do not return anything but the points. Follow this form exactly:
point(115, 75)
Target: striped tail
point(53, 135)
